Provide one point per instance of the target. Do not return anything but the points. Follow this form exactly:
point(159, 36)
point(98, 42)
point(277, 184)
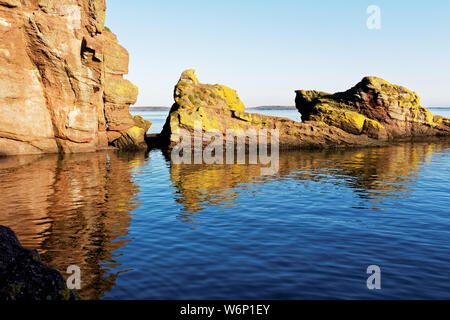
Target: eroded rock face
point(61, 81)
point(135, 137)
point(373, 108)
point(24, 277)
point(218, 108)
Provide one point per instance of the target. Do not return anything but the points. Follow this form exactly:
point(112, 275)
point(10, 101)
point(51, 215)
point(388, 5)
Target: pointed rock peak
point(375, 81)
point(383, 86)
point(189, 76)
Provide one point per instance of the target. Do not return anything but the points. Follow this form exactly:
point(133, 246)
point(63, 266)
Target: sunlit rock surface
point(373, 108)
point(61, 81)
point(217, 108)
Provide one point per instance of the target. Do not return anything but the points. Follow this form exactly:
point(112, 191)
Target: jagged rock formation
point(374, 108)
point(61, 81)
point(24, 277)
point(370, 114)
point(135, 137)
point(218, 108)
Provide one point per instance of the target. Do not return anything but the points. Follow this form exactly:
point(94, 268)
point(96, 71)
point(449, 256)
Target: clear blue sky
point(267, 49)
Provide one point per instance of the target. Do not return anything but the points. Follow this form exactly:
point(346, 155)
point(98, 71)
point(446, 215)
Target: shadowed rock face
point(218, 108)
point(24, 277)
point(373, 108)
point(61, 81)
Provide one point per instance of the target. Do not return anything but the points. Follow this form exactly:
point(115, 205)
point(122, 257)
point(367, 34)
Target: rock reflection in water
point(77, 209)
point(373, 174)
point(72, 209)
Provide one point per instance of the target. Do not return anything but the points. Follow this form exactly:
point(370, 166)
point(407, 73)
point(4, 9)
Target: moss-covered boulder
point(375, 108)
point(134, 138)
point(23, 277)
point(140, 122)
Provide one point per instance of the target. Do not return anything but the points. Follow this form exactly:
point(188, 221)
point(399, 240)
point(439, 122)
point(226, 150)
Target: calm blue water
point(142, 228)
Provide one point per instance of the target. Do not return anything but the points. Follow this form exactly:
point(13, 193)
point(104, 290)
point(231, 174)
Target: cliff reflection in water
point(373, 174)
point(72, 209)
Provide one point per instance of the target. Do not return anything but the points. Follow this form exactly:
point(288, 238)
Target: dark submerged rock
point(23, 277)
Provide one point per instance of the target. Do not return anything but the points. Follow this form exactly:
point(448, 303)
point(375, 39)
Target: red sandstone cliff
point(61, 80)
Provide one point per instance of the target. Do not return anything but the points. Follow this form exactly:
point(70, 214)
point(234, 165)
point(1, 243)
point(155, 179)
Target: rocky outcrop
point(217, 108)
point(24, 277)
point(123, 131)
point(373, 108)
point(370, 114)
point(61, 81)
point(135, 137)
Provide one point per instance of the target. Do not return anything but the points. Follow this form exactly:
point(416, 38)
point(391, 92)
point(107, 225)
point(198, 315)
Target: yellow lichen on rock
point(133, 139)
point(135, 133)
point(120, 90)
point(373, 107)
point(142, 123)
point(189, 93)
point(231, 97)
point(347, 120)
point(190, 77)
point(218, 109)
point(440, 119)
point(378, 82)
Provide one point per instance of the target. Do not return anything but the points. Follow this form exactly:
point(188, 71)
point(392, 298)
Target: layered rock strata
point(61, 81)
point(370, 114)
point(217, 108)
point(374, 108)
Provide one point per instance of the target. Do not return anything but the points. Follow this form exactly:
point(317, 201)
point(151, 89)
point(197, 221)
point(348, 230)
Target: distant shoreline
point(253, 108)
point(149, 109)
point(273, 108)
point(262, 108)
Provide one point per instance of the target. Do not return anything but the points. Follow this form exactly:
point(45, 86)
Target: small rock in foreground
point(23, 277)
